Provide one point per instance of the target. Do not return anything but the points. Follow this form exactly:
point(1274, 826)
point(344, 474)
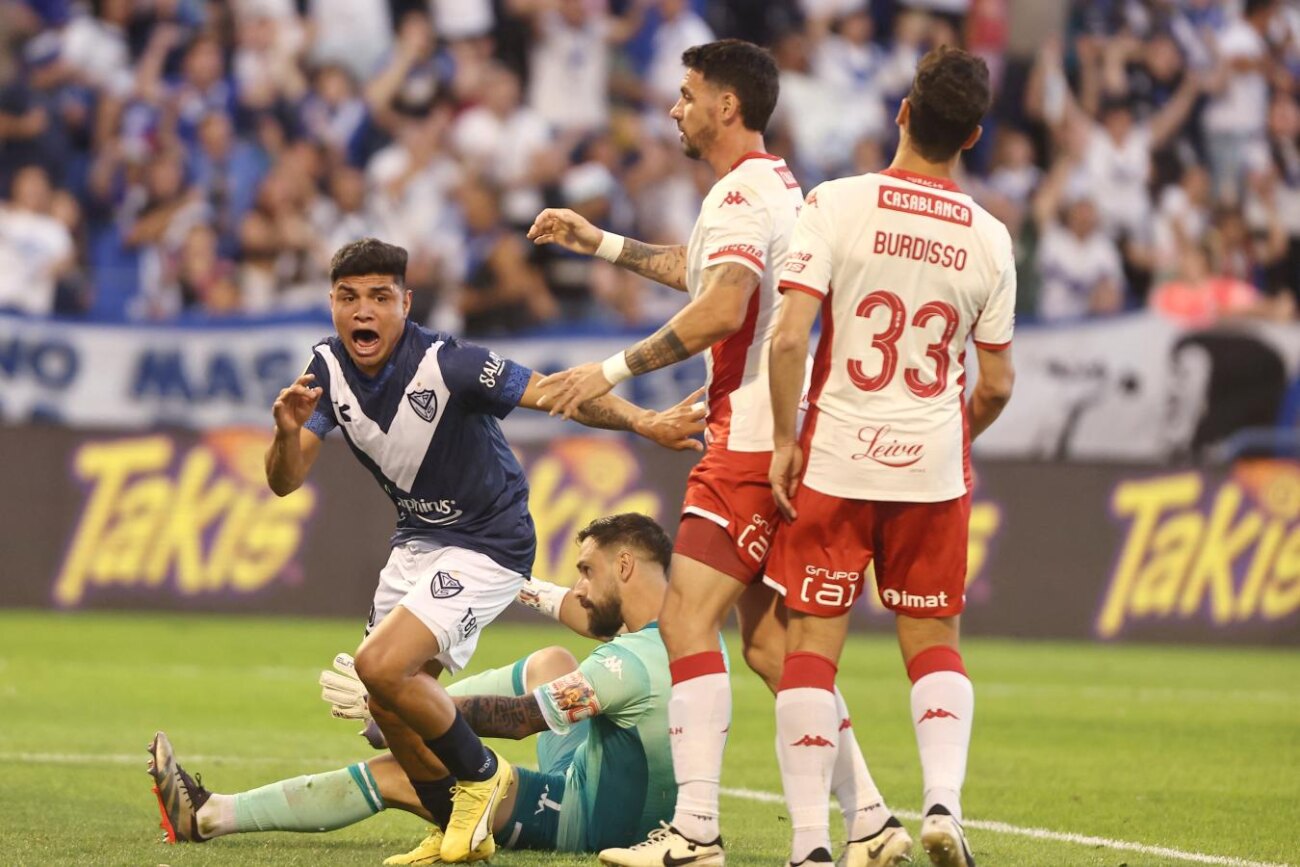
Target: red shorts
point(729, 490)
point(819, 562)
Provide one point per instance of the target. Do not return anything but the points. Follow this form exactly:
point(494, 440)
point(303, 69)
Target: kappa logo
point(614, 665)
point(735, 197)
point(845, 724)
point(425, 404)
point(444, 586)
point(812, 199)
point(344, 410)
point(937, 713)
point(812, 741)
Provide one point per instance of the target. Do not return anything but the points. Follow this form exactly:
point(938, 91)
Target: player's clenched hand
point(568, 229)
point(677, 426)
point(344, 691)
point(564, 392)
point(787, 467)
point(296, 404)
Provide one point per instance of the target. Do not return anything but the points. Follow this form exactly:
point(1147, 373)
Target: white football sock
point(943, 705)
point(699, 715)
point(807, 735)
point(860, 801)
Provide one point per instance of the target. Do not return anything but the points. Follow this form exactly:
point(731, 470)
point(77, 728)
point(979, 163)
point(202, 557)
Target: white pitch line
point(745, 794)
point(1045, 834)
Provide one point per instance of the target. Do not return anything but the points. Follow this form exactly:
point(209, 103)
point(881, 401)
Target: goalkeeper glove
point(542, 596)
point(346, 695)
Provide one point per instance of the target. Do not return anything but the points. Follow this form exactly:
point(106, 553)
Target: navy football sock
point(460, 750)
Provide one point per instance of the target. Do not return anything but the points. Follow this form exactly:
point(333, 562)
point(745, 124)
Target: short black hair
point(741, 67)
point(634, 530)
point(949, 97)
point(369, 256)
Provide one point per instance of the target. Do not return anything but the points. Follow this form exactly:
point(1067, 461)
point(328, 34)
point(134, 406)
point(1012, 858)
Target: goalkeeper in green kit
point(605, 774)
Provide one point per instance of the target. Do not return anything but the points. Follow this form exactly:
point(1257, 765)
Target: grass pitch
point(1195, 750)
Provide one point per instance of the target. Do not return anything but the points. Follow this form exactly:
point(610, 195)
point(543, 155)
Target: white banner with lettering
point(143, 376)
point(1134, 388)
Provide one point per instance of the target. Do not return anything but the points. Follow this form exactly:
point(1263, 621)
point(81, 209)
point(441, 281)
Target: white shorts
point(455, 592)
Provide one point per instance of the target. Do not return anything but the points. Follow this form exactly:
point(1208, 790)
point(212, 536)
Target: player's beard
point(693, 147)
point(604, 619)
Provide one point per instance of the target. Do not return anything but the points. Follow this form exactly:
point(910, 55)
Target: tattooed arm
point(673, 428)
point(572, 231)
point(716, 313)
point(663, 264)
point(502, 716)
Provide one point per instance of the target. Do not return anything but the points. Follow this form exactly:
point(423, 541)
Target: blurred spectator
point(1182, 217)
point(1197, 298)
point(200, 277)
point(265, 68)
point(333, 113)
point(503, 292)
point(1078, 263)
point(227, 170)
point(824, 121)
point(413, 184)
point(1281, 171)
point(414, 76)
point(35, 247)
point(505, 141)
point(679, 28)
point(353, 35)
point(277, 240)
point(569, 61)
point(1234, 120)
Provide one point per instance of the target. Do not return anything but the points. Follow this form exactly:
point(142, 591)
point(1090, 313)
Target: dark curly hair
point(640, 532)
point(950, 95)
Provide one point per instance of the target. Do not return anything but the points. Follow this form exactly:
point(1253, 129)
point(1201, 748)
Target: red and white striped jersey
point(908, 268)
point(747, 218)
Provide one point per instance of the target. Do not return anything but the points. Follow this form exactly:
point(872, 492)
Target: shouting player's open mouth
point(365, 342)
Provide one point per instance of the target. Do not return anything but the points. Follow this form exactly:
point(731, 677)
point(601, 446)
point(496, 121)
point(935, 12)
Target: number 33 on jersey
point(908, 268)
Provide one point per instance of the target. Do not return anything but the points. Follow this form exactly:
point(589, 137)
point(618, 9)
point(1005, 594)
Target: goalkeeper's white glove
point(346, 695)
point(542, 596)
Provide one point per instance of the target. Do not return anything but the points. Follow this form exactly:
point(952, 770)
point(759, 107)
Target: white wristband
point(615, 368)
point(611, 245)
point(543, 597)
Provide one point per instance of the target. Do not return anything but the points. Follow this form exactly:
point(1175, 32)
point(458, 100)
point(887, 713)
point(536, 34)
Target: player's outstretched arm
point(992, 389)
point(786, 362)
point(673, 428)
point(715, 314)
point(662, 263)
point(502, 716)
point(294, 449)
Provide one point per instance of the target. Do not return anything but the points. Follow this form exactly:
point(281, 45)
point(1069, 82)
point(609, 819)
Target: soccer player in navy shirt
point(420, 411)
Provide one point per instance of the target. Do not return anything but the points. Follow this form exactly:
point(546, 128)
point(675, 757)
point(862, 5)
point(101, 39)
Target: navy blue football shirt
point(426, 427)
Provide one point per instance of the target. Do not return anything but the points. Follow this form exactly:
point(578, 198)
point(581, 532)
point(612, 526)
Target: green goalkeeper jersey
point(620, 785)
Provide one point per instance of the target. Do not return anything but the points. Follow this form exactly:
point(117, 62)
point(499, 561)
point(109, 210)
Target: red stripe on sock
point(697, 665)
point(807, 670)
point(932, 659)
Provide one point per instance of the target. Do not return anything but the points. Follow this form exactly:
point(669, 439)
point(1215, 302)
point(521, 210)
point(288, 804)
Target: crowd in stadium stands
point(164, 159)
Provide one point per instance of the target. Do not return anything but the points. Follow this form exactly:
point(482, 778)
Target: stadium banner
point(1132, 388)
point(140, 377)
point(183, 520)
point(1139, 388)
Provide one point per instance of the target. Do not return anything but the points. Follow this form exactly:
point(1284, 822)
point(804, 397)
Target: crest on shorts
point(425, 404)
point(444, 586)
